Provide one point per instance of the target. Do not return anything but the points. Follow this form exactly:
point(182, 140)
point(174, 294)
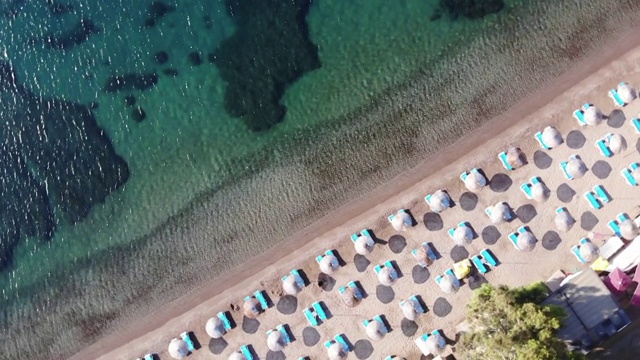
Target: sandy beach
point(588, 81)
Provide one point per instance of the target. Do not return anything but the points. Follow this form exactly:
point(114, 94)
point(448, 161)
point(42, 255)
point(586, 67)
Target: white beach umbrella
point(475, 181)
point(462, 235)
point(290, 285)
point(401, 221)
point(448, 284)
point(500, 213)
point(526, 241)
point(589, 251)
point(628, 229)
point(439, 201)
point(251, 308)
point(576, 168)
point(515, 157)
point(374, 330)
point(422, 257)
point(617, 143)
point(349, 297)
point(364, 245)
point(636, 174)
point(215, 328)
point(329, 264)
point(435, 344)
point(178, 349)
point(539, 192)
point(593, 115)
point(336, 352)
point(564, 221)
point(626, 92)
point(387, 276)
point(276, 341)
point(551, 136)
point(410, 309)
point(237, 356)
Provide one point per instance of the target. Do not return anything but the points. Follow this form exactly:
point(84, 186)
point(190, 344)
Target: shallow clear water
point(392, 85)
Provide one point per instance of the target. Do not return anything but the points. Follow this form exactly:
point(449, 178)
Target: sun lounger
point(453, 230)
point(503, 158)
point(420, 308)
point(263, 301)
point(283, 330)
point(377, 268)
point(563, 166)
point(526, 189)
point(463, 176)
point(622, 217)
point(427, 198)
point(634, 166)
point(488, 211)
point(613, 94)
point(488, 257)
point(514, 239)
point(538, 137)
point(613, 225)
point(299, 280)
point(378, 319)
point(592, 200)
point(366, 232)
point(342, 341)
point(604, 149)
point(626, 174)
point(389, 264)
point(635, 122)
point(311, 317)
point(246, 352)
point(602, 194)
point(148, 357)
point(225, 320)
point(477, 262)
point(354, 237)
point(576, 251)
point(584, 241)
point(579, 116)
point(317, 306)
point(560, 210)
point(448, 272)
point(187, 339)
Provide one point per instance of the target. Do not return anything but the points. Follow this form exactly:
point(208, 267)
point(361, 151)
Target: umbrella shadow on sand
point(500, 183)
point(433, 221)
point(542, 160)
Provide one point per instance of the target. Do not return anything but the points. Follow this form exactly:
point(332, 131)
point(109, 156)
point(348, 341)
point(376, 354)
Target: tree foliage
point(509, 324)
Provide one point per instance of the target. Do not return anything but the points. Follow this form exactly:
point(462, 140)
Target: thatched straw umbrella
point(401, 221)
point(462, 235)
point(628, 229)
point(564, 221)
point(387, 276)
point(616, 143)
point(237, 356)
point(290, 285)
point(551, 137)
point(576, 168)
point(336, 352)
point(435, 344)
point(627, 92)
point(539, 192)
point(589, 251)
point(329, 264)
point(526, 241)
point(475, 181)
point(439, 201)
point(276, 341)
point(448, 284)
point(215, 328)
point(500, 213)
point(349, 297)
point(593, 116)
point(178, 349)
point(364, 245)
point(375, 330)
point(251, 308)
point(410, 309)
point(515, 157)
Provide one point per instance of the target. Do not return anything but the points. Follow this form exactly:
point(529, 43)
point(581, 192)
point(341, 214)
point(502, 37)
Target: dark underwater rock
point(471, 9)
point(269, 51)
point(80, 33)
point(11, 8)
point(195, 59)
point(56, 163)
point(161, 57)
point(170, 72)
point(129, 100)
point(130, 82)
point(57, 8)
point(157, 10)
point(138, 114)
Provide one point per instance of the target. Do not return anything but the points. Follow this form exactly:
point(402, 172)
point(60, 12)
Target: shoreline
point(334, 225)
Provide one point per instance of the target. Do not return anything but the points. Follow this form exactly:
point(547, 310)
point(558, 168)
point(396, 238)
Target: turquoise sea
point(128, 173)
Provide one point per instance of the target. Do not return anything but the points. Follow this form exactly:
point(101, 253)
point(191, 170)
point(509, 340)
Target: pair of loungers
point(614, 225)
point(414, 298)
point(450, 273)
point(340, 339)
point(563, 166)
point(387, 264)
point(627, 174)
point(526, 187)
point(430, 253)
point(601, 144)
point(576, 250)
point(483, 259)
point(617, 100)
point(579, 114)
point(357, 293)
point(281, 328)
point(452, 231)
point(423, 340)
point(259, 295)
point(379, 320)
point(296, 275)
point(597, 197)
point(315, 313)
point(514, 236)
point(364, 232)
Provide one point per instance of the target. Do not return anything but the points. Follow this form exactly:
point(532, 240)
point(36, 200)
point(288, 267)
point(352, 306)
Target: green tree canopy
point(509, 324)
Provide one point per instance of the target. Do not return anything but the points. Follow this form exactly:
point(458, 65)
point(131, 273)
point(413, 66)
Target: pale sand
point(552, 105)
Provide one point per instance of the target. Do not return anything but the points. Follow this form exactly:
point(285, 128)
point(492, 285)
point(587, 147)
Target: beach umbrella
point(375, 330)
point(387, 276)
point(439, 201)
point(251, 308)
point(539, 192)
point(564, 221)
point(290, 285)
point(276, 341)
point(626, 92)
point(215, 328)
point(628, 229)
point(448, 284)
point(526, 241)
point(401, 221)
point(593, 115)
point(435, 344)
point(363, 245)
point(475, 181)
point(462, 235)
point(616, 143)
point(500, 213)
point(336, 352)
point(551, 136)
point(515, 157)
point(589, 251)
point(178, 349)
point(329, 264)
point(576, 168)
point(237, 356)
point(410, 309)
point(349, 297)
point(636, 174)
point(422, 257)
point(619, 280)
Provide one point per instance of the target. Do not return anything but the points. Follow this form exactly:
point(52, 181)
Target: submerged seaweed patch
point(471, 9)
